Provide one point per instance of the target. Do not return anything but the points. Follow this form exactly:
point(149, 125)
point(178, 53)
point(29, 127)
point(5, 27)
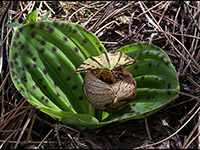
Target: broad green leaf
point(42, 58)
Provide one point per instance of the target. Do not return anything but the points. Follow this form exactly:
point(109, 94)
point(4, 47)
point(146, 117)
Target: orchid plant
point(48, 61)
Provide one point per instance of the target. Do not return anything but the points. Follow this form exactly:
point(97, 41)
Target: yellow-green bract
point(105, 61)
point(44, 54)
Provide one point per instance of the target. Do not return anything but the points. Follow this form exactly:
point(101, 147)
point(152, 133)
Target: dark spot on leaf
point(17, 35)
point(65, 39)
point(45, 71)
point(16, 63)
point(70, 28)
point(55, 23)
point(22, 47)
point(21, 68)
point(147, 52)
point(41, 25)
point(19, 42)
point(33, 34)
point(28, 65)
point(162, 57)
point(133, 105)
point(46, 100)
point(43, 42)
point(70, 106)
point(44, 86)
point(15, 44)
point(32, 25)
point(76, 49)
point(67, 26)
point(167, 63)
point(158, 54)
point(150, 64)
point(55, 84)
point(132, 111)
point(51, 30)
point(169, 85)
point(74, 87)
point(36, 85)
point(100, 48)
point(54, 49)
point(68, 78)
point(57, 94)
point(142, 77)
point(153, 96)
point(148, 97)
point(169, 93)
point(29, 53)
point(136, 67)
point(163, 81)
point(20, 29)
point(60, 68)
point(42, 98)
point(156, 78)
point(62, 25)
point(74, 31)
point(85, 40)
point(33, 87)
point(22, 89)
point(15, 55)
point(42, 50)
point(137, 113)
point(34, 58)
point(35, 66)
point(14, 73)
point(140, 53)
point(40, 79)
point(80, 97)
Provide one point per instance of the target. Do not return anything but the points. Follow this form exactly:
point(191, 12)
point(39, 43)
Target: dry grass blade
point(190, 135)
point(173, 133)
point(45, 138)
point(24, 127)
point(179, 53)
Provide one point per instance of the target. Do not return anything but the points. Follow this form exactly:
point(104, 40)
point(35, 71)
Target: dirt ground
point(172, 26)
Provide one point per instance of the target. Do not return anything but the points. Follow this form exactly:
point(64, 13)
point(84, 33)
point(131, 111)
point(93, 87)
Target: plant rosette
point(44, 56)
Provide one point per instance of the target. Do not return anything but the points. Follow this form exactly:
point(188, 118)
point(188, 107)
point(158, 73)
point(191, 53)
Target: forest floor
point(172, 26)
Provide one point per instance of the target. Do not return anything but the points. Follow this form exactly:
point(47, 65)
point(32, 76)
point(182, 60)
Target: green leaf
point(13, 24)
point(31, 17)
point(43, 56)
point(45, 17)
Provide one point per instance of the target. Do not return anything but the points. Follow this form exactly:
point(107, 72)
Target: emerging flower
point(107, 85)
